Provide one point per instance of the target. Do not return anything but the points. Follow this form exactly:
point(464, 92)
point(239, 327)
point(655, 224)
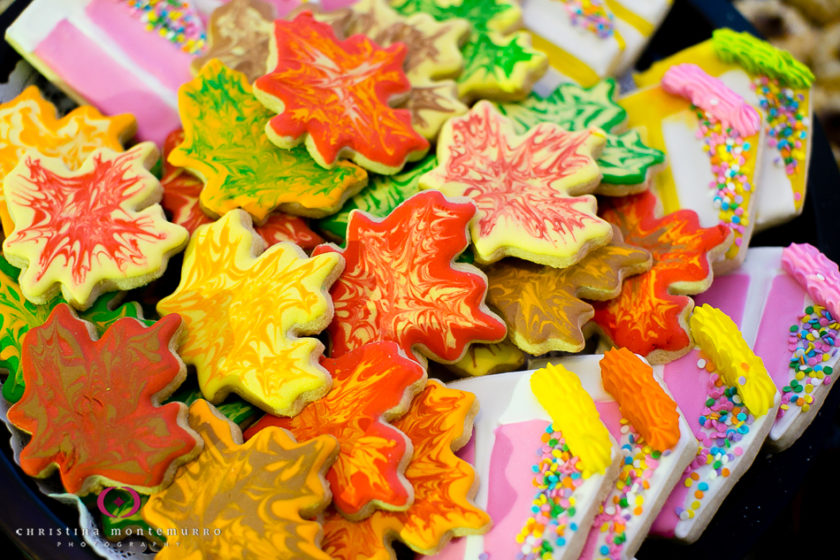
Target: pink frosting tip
point(818, 275)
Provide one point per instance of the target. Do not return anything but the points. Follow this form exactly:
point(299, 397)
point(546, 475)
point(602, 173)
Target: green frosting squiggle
point(759, 57)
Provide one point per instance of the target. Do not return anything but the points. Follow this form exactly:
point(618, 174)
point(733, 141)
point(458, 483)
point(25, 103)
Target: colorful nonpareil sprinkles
point(627, 498)
point(787, 123)
point(177, 21)
point(812, 342)
point(556, 477)
point(592, 15)
point(724, 422)
point(731, 159)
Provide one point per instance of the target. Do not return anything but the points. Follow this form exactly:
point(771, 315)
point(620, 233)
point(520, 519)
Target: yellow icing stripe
point(643, 26)
point(574, 415)
point(565, 63)
point(720, 339)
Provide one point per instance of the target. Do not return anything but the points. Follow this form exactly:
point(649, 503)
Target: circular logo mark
point(135, 502)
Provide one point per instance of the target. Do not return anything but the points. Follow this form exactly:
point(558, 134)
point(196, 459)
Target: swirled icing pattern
point(525, 187)
point(92, 406)
point(648, 316)
point(485, 359)
point(371, 385)
point(225, 144)
point(400, 283)
point(641, 399)
point(30, 122)
point(760, 57)
point(439, 422)
point(18, 316)
point(334, 95)
point(181, 191)
point(499, 62)
point(719, 338)
point(543, 307)
point(816, 273)
point(86, 231)
point(573, 414)
point(243, 312)
point(260, 496)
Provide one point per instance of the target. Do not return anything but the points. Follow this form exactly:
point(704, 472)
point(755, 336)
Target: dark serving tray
point(780, 506)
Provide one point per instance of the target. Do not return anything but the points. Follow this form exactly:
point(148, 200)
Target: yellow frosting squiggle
point(573, 414)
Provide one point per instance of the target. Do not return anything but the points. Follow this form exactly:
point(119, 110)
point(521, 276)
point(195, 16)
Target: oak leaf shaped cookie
point(334, 95)
point(486, 359)
point(371, 386)
point(18, 316)
point(543, 306)
point(88, 231)
point(244, 310)
point(400, 283)
point(30, 122)
point(650, 315)
point(92, 406)
point(439, 422)
point(525, 187)
point(225, 145)
point(181, 191)
point(256, 500)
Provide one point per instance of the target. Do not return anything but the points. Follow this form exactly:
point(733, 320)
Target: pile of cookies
point(223, 305)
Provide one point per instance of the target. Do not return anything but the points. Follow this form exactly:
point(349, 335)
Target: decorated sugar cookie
point(543, 307)
point(526, 187)
point(486, 359)
point(780, 88)
point(401, 284)
point(247, 311)
point(258, 499)
point(545, 460)
point(226, 146)
point(85, 398)
point(438, 423)
point(714, 141)
point(372, 385)
point(650, 315)
point(30, 122)
point(88, 231)
point(730, 402)
point(333, 95)
point(626, 163)
point(499, 61)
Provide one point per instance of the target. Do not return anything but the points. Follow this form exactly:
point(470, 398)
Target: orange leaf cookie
point(30, 122)
point(250, 501)
point(438, 423)
point(401, 283)
point(93, 406)
point(543, 306)
point(525, 187)
point(648, 316)
point(334, 95)
point(371, 386)
point(244, 310)
point(88, 231)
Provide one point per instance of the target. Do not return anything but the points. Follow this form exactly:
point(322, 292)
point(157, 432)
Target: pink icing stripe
point(83, 66)
point(155, 54)
point(785, 304)
point(729, 294)
point(713, 96)
point(816, 273)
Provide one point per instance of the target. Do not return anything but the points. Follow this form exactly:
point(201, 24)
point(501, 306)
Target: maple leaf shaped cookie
point(525, 187)
point(334, 95)
point(226, 146)
point(401, 284)
point(256, 500)
point(543, 306)
point(371, 386)
point(30, 122)
point(88, 231)
point(92, 406)
point(244, 310)
point(650, 315)
point(439, 422)
point(181, 191)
